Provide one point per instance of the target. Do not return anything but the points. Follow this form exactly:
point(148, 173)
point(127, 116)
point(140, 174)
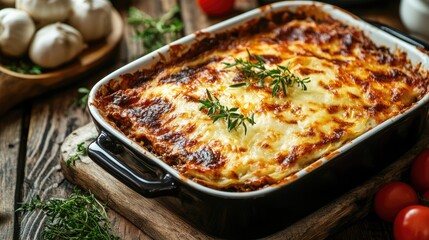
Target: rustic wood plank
point(124, 229)
point(10, 135)
point(159, 223)
point(54, 117)
point(369, 228)
point(148, 214)
point(154, 9)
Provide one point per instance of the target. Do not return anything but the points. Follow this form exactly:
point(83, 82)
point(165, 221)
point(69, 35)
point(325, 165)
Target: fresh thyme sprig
point(283, 77)
point(250, 70)
point(80, 216)
point(157, 32)
point(256, 70)
point(81, 150)
point(217, 111)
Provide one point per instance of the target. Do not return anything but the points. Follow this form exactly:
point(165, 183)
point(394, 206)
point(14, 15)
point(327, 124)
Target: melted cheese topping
point(354, 87)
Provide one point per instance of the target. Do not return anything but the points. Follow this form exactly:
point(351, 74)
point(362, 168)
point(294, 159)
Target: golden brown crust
point(355, 85)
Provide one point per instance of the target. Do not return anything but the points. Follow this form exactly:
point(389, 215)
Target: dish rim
point(342, 15)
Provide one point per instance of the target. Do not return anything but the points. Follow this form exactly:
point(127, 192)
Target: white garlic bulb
point(16, 31)
point(45, 11)
point(55, 44)
point(92, 18)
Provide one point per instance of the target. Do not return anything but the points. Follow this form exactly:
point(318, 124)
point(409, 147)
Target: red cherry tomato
point(420, 171)
point(216, 8)
point(412, 223)
point(393, 197)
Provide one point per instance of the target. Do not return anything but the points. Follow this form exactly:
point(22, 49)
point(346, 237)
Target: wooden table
point(31, 133)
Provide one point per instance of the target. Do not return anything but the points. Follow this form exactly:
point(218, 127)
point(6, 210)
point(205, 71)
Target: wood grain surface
point(148, 214)
point(10, 134)
point(32, 133)
point(50, 120)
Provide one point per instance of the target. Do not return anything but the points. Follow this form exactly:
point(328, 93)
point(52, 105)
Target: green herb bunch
point(80, 216)
point(217, 111)
point(157, 32)
point(256, 70)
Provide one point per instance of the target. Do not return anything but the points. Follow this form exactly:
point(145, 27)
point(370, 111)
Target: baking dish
point(258, 213)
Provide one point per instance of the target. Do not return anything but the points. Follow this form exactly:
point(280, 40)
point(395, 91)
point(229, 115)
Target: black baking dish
point(262, 212)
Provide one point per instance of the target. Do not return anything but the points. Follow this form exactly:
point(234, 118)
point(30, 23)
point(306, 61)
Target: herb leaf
point(81, 150)
point(281, 76)
point(157, 32)
point(217, 111)
point(24, 67)
point(80, 216)
point(250, 70)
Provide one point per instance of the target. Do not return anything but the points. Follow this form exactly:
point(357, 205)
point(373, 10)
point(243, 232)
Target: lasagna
point(352, 86)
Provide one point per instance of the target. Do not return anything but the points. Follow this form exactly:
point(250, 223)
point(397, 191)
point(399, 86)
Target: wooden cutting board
point(158, 222)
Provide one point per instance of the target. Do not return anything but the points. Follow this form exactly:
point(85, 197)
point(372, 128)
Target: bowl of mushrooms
point(43, 44)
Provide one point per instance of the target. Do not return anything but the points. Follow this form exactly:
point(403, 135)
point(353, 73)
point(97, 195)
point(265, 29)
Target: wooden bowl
point(15, 87)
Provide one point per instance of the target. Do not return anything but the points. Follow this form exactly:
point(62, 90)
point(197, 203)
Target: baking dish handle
point(397, 33)
point(103, 152)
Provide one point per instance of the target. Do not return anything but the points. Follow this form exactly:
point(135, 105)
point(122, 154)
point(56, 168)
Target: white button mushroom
point(55, 44)
point(16, 31)
point(45, 11)
point(92, 18)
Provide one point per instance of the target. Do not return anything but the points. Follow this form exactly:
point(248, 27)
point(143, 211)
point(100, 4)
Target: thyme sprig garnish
point(218, 111)
point(80, 216)
point(281, 76)
point(156, 32)
point(81, 150)
point(250, 70)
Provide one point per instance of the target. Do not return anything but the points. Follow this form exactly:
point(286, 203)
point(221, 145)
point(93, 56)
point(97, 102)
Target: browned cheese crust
point(355, 85)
